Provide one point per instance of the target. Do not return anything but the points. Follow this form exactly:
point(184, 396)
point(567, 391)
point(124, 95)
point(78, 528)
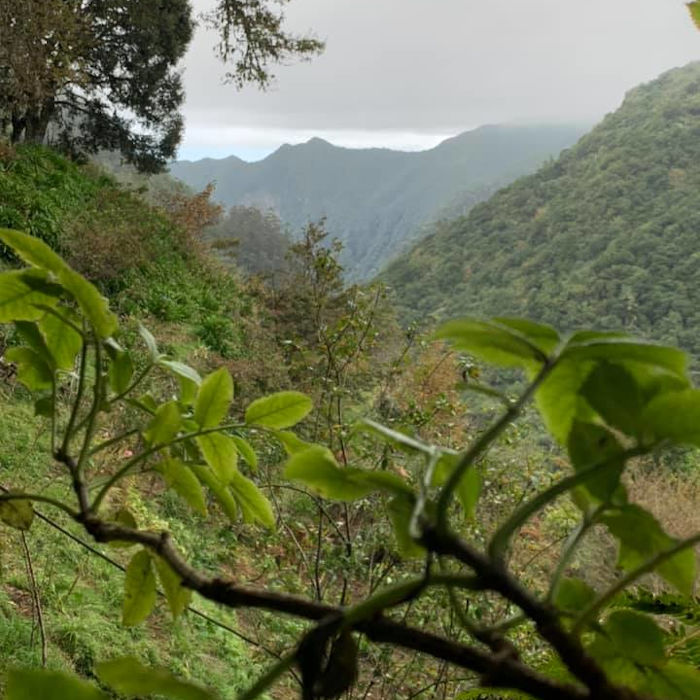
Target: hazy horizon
point(394, 75)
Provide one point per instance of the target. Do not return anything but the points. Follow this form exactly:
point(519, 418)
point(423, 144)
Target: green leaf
point(32, 369)
point(254, 506)
point(176, 594)
point(21, 294)
point(469, 487)
point(591, 444)
point(139, 589)
point(127, 676)
point(573, 595)
point(150, 343)
point(380, 480)
point(694, 9)
point(121, 370)
point(214, 398)
point(246, 451)
point(620, 349)
point(221, 455)
point(291, 442)
point(188, 378)
point(93, 305)
point(612, 391)
point(48, 685)
point(18, 513)
point(181, 370)
point(281, 410)
point(674, 416)
point(63, 341)
point(641, 537)
point(182, 480)
point(636, 636)
point(491, 342)
point(558, 398)
point(316, 468)
point(400, 513)
point(220, 491)
point(165, 424)
point(29, 332)
point(396, 438)
point(674, 681)
point(542, 336)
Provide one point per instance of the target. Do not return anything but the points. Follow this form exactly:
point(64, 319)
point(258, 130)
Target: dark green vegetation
point(320, 540)
point(376, 200)
point(606, 235)
point(608, 400)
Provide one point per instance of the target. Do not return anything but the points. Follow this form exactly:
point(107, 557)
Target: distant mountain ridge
point(607, 235)
point(376, 200)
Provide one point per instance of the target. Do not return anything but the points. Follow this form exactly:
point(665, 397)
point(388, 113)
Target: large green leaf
point(619, 349)
point(542, 336)
point(590, 444)
point(641, 537)
point(176, 594)
point(558, 398)
point(213, 398)
point(220, 490)
point(40, 684)
point(63, 341)
point(93, 305)
point(469, 486)
point(139, 589)
point(253, 504)
point(129, 677)
point(612, 391)
point(491, 342)
point(281, 410)
point(316, 468)
point(32, 369)
point(246, 451)
point(220, 453)
point(694, 9)
point(636, 636)
point(22, 292)
point(183, 481)
point(291, 442)
point(165, 424)
point(674, 416)
point(121, 370)
point(17, 513)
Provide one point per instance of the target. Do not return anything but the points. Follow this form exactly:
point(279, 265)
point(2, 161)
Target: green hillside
point(376, 200)
point(607, 235)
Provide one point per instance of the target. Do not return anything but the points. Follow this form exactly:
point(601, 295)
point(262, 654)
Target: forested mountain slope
point(375, 200)
point(607, 235)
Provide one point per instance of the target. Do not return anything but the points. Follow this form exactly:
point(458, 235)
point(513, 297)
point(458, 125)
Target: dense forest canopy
point(607, 234)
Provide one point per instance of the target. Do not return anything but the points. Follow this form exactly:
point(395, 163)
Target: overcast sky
point(408, 73)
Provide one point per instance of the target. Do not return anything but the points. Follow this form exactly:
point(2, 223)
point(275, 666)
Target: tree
point(103, 73)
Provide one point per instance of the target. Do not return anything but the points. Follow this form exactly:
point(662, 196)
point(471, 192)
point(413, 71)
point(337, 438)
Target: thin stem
point(77, 401)
point(485, 440)
point(113, 441)
point(37, 498)
point(94, 410)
